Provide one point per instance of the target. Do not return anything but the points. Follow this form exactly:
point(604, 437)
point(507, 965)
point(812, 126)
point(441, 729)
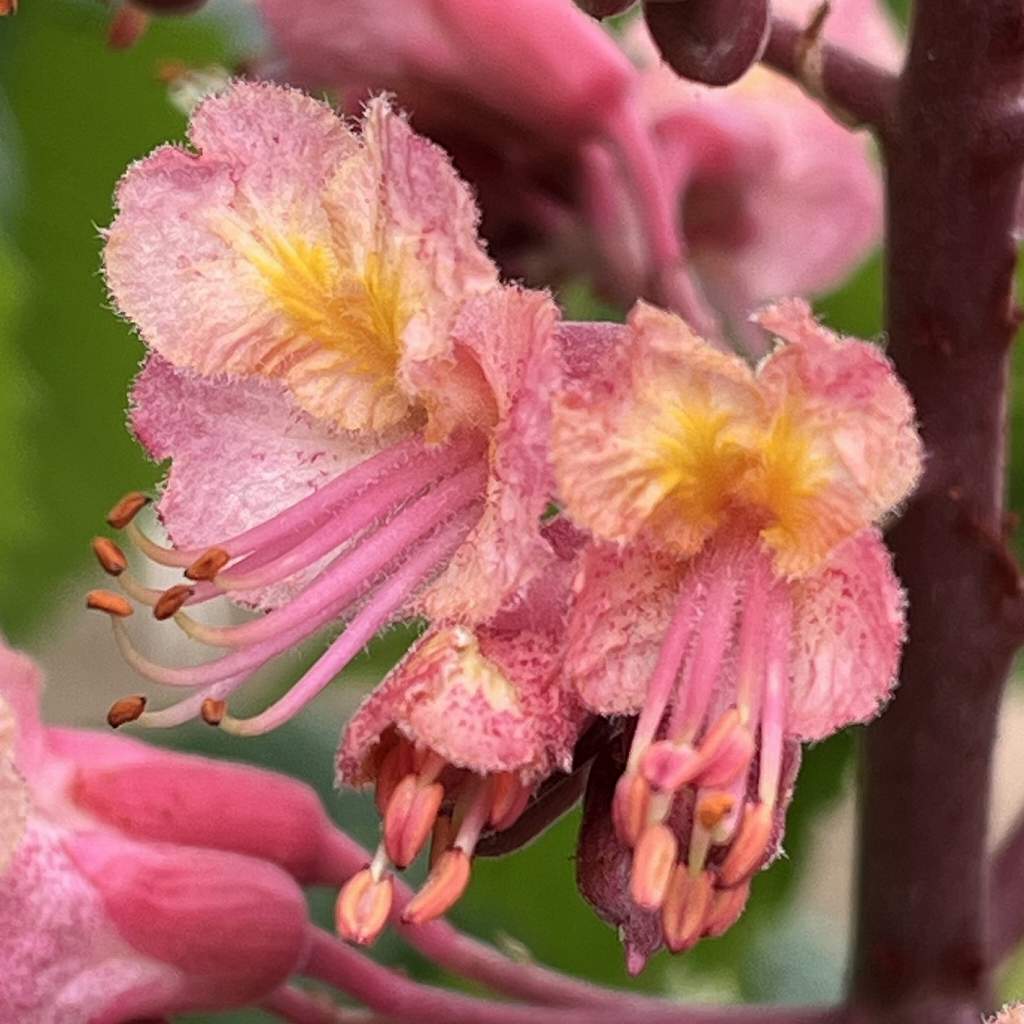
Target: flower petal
point(848, 629)
point(509, 335)
point(844, 397)
point(658, 440)
point(241, 451)
point(623, 605)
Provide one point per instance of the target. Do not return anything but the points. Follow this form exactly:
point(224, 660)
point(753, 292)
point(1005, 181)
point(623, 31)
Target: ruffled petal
point(848, 629)
point(489, 701)
point(623, 605)
point(509, 335)
point(842, 450)
point(241, 451)
point(658, 439)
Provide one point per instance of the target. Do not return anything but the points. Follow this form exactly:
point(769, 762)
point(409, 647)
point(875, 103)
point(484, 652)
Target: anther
point(726, 907)
point(409, 818)
point(109, 555)
point(208, 564)
point(442, 889)
point(750, 845)
point(108, 602)
point(127, 509)
point(125, 710)
point(169, 603)
point(363, 907)
point(713, 808)
point(630, 806)
point(687, 902)
point(668, 766)
point(509, 798)
point(653, 861)
point(213, 711)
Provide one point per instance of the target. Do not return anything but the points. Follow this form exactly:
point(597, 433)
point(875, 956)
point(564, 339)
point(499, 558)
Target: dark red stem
point(921, 954)
point(856, 89)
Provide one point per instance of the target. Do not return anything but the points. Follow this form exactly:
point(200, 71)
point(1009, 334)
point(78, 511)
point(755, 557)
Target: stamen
point(630, 807)
point(213, 711)
point(749, 847)
point(441, 840)
point(686, 907)
point(127, 509)
point(509, 800)
point(713, 807)
point(352, 519)
point(207, 565)
point(106, 601)
point(363, 906)
point(653, 861)
point(726, 907)
point(444, 886)
point(388, 599)
point(394, 766)
point(409, 818)
point(726, 751)
point(125, 710)
point(111, 558)
point(753, 639)
point(342, 581)
point(170, 602)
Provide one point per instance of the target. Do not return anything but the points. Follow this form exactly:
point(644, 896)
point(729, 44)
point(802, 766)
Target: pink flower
point(129, 893)
point(737, 595)
point(355, 409)
point(492, 80)
point(455, 741)
point(775, 197)
point(1009, 1015)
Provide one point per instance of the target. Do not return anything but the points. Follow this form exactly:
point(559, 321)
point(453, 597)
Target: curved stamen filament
point(342, 580)
point(349, 520)
point(306, 513)
point(387, 600)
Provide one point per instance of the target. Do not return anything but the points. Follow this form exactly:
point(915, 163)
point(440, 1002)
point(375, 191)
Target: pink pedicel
point(737, 596)
point(355, 409)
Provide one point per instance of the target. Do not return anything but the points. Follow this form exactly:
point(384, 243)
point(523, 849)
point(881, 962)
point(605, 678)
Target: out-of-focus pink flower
point(111, 909)
point(494, 82)
point(455, 741)
point(775, 197)
point(355, 409)
point(1009, 1015)
point(738, 595)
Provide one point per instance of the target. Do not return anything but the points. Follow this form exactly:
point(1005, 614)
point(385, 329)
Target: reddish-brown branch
point(1007, 900)
point(852, 88)
point(921, 930)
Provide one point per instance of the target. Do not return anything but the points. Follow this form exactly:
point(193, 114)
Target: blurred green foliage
point(72, 116)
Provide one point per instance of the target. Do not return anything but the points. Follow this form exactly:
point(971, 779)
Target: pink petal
point(510, 336)
point(847, 394)
point(241, 451)
point(626, 460)
point(623, 605)
point(848, 630)
point(489, 701)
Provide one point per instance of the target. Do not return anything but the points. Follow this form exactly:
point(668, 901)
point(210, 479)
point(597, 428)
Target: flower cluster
point(598, 522)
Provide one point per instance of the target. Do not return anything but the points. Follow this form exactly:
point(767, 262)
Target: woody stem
point(921, 944)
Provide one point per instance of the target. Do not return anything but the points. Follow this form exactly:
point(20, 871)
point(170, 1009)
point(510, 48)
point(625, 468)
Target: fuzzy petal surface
point(843, 448)
point(658, 440)
point(289, 247)
point(510, 336)
point(848, 631)
point(241, 451)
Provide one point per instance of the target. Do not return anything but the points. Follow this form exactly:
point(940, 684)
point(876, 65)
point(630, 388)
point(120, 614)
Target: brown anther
point(726, 907)
point(713, 808)
point(212, 711)
point(409, 818)
point(125, 710)
point(109, 602)
point(109, 555)
point(170, 601)
point(750, 847)
point(127, 509)
point(687, 903)
point(208, 564)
